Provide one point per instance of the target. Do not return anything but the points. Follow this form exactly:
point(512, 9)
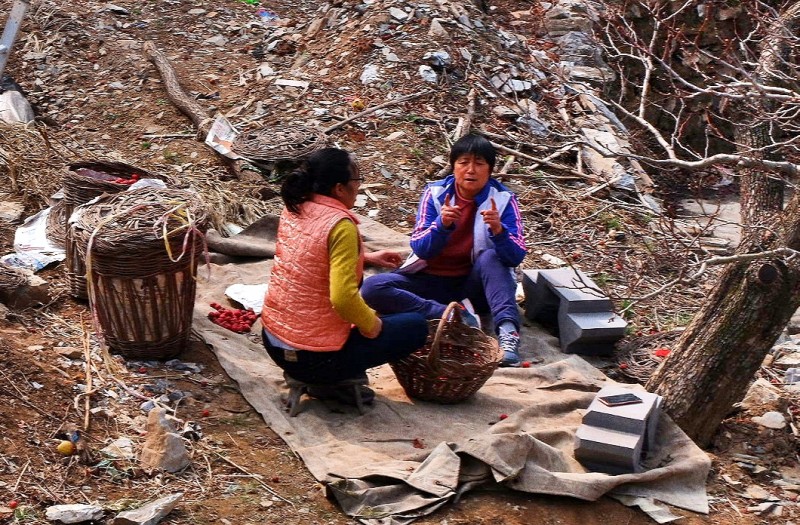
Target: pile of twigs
point(31, 162)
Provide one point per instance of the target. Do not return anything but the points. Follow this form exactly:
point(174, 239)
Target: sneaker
point(468, 315)
point(509, 344)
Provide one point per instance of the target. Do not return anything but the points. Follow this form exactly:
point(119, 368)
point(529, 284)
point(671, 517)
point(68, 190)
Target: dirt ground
point(82, 68)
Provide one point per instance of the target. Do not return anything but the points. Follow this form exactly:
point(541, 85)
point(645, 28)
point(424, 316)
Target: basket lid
point(139, 218)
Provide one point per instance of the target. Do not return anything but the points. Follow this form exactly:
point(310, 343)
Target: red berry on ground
point(206, 413)
point(142, 370)
point(13, 504)
point(503, 416)
point(623, 366)
point(526, 364)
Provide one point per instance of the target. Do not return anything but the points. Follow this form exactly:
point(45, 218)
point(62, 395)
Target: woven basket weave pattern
point(279, 143)
point(455, 362)
point(143, 299)
point(80, 189)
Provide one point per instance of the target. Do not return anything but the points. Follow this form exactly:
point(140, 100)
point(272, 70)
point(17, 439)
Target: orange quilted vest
point(297, 308)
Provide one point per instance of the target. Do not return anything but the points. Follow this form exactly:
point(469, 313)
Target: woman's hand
point(450, 214)
point(384, 259)
point(491, 218)
point(376, 330)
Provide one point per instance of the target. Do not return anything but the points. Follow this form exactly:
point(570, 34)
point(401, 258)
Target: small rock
point(771, 420)
point(370, 74)
point(397, 14)
point(164, 448)
point(148, 514)
point(217, 40)
point(75, 513)
point(761, 397)
point(117, 9)
point(394, 136)
point(428, 74)
point(756, 492)
point(120, 448)
point(436, 30)
point(70, 352)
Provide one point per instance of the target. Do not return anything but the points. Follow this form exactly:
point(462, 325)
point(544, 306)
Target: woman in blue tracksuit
point(466, 242)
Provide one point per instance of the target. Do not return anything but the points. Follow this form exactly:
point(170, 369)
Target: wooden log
point(198, 114)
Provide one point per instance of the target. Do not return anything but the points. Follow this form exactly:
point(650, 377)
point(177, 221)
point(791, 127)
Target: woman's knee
point(374, 285)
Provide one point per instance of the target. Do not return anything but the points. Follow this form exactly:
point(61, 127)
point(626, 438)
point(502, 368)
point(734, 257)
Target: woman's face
point(346, 192)
point(472, 173)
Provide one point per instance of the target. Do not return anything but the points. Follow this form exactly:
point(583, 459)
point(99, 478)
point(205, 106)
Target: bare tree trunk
point(727, 340)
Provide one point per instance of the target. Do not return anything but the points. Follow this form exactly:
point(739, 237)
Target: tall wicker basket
point(455, 362)
point(83, 181)
point(141, 249)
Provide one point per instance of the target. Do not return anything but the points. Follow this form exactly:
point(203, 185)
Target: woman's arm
point(429, 235)
point(510, 243)
point(345, 298)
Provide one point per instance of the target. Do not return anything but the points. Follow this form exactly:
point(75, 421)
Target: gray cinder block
point(609, 451)
point(639, 418)
point(578, 293)
point(613, 439)
point(541, 303)
point(569, 299)
point(590, 333)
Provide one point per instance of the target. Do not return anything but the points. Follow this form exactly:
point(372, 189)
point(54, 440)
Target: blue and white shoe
point(509, 344)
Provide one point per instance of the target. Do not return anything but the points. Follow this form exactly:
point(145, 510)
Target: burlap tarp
point(405, 458)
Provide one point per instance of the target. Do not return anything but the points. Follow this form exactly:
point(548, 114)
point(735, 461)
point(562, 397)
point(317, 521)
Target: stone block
point(590, 333)
point(576, 291)
point(609, 451)
point(541, 304)
point(640, 418)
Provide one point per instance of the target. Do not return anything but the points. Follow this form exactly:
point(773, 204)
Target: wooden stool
point(298, 388)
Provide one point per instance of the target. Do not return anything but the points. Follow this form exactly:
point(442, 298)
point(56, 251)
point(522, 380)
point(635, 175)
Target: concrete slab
point(590, 333)
point(541, 303)
point(577, 292)
point(640, 419)
point(610, 451)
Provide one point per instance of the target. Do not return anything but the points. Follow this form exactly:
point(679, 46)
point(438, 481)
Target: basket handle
point(453, 309)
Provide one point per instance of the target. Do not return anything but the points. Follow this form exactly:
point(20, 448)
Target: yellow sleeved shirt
point(345, 297)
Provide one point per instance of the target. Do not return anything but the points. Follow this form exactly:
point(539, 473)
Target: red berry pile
point(121, 180)
point(233, 319)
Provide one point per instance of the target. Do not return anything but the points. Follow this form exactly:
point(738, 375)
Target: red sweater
point(455, 259)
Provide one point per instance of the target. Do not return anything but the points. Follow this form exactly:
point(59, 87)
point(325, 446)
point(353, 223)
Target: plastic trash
point(266, 16)
point(792, 376)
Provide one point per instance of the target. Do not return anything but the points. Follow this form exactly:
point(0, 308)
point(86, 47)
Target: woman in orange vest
point(317, 327)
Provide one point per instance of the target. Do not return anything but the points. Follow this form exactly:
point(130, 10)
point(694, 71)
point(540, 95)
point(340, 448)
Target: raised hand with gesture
point(450, 214)
point(491, 218)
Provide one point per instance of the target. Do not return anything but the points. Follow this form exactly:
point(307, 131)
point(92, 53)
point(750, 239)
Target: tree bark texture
point(723, 347)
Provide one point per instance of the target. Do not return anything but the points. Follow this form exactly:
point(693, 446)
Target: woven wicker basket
point(141, 291)
point(455, 362)
point(284, 142)
point(83, 181)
